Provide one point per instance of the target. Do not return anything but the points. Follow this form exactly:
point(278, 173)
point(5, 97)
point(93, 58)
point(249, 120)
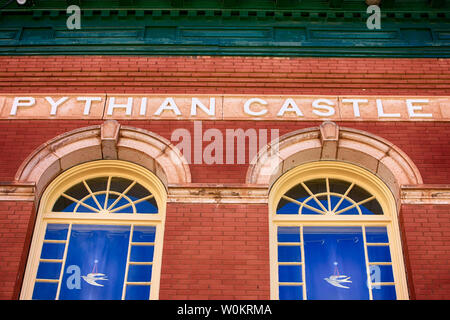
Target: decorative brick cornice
point(425, 194)
point(434, 194)
point(217, 193)
point(12, 191)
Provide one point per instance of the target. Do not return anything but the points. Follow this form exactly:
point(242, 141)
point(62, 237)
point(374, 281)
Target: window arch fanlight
point(98, 235)
point(334, 235)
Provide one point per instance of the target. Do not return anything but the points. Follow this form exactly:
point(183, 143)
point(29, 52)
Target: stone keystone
point(109, 136)
point(329, 136)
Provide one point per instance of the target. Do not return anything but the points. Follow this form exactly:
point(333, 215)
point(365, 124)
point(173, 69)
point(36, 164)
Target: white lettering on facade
point(355, 103)
point(21, 102)
point(113, 105)
point(249, 102)
point(227, 108)
point(412, 108)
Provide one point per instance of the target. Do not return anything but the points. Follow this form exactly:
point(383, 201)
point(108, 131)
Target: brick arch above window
point(331, 142)
point(108, 141)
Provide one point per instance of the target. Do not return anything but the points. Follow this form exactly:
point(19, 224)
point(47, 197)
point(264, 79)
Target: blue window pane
point(290, 273)
point(146, 206)
point(52, 250)
point(49, 270)
point(376, 234)
point(111, 199)
point(290, 293)
point(139, 273)
point(371, 207)
point(101, 199)
point(64, 205)
point(365, 210)
point(288, 234)
point(97, 254)
point(144, 234)
point(334, 200)
point(352, 211)
point(44, 291)
point(289, 254)
point(335, 263)
point(381, 273)
point(379, 253)
point(345, 204)
point(56, 232)
point(314, 204)
point(137, 292)
point(68, 208)
point(384, 293)
point(120, 203)
point(138, 192)
point(141, 253)
point(287, 207)
point(90, 202)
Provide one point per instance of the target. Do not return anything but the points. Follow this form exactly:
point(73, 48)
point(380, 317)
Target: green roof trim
point(227, 27)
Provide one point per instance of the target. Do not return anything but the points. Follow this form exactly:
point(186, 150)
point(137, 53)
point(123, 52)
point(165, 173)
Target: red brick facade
point(426, 238)
point(227, 75)
point(16, 221)
point(215, 252)
point(221, 251)
point(424, 142)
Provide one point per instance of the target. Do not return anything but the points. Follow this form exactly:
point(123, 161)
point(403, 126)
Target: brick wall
point(16, 222)
point(221, 251)
point(225, 75)
point(424, 142)
point(215, 251)
point(426, 242)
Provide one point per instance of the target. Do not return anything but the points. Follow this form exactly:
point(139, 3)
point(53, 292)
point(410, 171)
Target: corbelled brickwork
point(237, 75)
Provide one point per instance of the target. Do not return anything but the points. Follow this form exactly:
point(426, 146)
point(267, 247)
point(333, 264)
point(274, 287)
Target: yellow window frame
point(80, 173)
point(350, 173)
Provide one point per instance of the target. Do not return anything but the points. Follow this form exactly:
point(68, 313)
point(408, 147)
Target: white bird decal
point(91, 278)
point(336, 281)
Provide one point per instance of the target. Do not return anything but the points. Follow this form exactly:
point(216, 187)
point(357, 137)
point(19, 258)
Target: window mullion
point(122, 195)
point(124, 288)
point(314, 196)
point(108, 187)
point(328, 194)
point(92, 195)
point(356, 204)
point(343, 197)
point(366, 256)
point(302, 251)
point(63, 265)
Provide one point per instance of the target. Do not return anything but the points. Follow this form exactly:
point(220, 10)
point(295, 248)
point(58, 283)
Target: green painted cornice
point(418, 28)
point(319, 5)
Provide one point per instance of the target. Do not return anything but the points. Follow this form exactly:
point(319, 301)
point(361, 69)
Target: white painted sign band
point(225, 107)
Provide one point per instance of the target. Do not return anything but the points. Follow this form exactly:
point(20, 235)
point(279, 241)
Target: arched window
point(98, 235)
point(334, 235)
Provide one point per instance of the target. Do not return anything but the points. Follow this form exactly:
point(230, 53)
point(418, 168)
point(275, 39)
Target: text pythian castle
point(225, 107)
